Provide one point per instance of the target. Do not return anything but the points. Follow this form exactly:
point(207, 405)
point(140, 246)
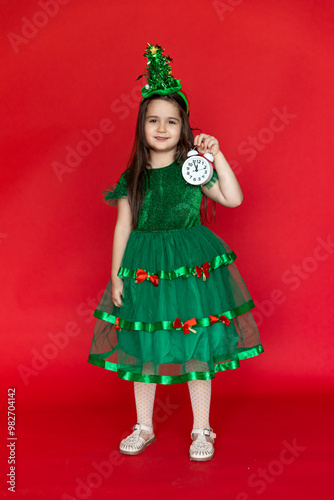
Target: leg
point(144, 397)
point(200, 396)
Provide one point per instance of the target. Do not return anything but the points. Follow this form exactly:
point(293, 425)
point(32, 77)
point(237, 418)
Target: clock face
point(197, 170)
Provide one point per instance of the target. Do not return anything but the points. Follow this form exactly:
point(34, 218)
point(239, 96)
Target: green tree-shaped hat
point(159, 74)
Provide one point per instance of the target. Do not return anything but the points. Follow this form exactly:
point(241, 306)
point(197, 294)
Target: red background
point(241, 63)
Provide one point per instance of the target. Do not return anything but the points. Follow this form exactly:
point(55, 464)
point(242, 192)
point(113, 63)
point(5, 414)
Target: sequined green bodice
point(170, 202)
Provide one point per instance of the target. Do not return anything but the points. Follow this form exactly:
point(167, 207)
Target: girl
point(176, 308)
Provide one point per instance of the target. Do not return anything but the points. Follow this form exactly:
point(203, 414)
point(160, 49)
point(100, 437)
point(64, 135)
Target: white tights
point(200, 397)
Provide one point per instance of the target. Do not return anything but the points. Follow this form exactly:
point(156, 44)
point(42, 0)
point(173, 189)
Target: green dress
point(185, 312)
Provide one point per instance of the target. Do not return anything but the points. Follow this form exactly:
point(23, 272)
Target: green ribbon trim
point(241, 353)
point(168, 325)
point(221, 260)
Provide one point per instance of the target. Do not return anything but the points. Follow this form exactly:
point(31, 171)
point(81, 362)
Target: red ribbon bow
point(223, 319)
point(117, 323)
point(142, 275)
point(205, 268)
point(186, 325)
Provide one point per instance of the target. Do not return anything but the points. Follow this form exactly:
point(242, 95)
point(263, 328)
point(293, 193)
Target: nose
point(161, 127)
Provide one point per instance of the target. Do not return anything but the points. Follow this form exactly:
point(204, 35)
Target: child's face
point(162, 125)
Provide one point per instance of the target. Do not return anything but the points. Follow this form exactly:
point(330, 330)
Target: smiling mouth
point(161, 138)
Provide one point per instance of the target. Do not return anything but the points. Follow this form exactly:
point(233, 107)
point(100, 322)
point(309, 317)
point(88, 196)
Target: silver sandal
point(134, 443)
point(201, 449)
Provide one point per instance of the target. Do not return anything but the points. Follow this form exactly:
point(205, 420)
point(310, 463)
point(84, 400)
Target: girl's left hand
point(206, 143)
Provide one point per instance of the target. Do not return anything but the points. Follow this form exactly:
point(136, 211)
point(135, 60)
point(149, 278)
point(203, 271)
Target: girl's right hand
point(117, 291)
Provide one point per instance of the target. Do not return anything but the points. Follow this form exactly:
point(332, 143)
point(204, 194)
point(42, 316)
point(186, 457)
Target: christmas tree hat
point(159, 74)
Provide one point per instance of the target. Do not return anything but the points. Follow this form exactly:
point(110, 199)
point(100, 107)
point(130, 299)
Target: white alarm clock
point(197, 169)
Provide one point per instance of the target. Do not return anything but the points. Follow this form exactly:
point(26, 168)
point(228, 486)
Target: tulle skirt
point(185, 313)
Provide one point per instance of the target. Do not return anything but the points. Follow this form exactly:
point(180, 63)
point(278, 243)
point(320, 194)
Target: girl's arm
point(122, 232)
point(227, 190)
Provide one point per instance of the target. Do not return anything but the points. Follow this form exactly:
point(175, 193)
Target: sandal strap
point(143, 427)
point(205, 431)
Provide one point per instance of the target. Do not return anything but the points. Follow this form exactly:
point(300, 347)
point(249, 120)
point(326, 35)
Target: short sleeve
point(115, 191)
point(212, 180)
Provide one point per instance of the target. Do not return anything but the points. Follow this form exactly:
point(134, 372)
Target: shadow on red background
point(258, 78)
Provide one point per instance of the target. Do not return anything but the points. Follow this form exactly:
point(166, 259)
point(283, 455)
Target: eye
point(154, 120)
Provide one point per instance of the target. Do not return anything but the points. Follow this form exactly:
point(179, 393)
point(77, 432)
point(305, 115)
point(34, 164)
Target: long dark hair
point(137, 175)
